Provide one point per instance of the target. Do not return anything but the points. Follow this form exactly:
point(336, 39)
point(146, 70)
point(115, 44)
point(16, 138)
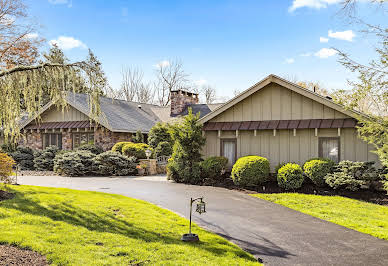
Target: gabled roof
point(124, 116)
point(287, 84)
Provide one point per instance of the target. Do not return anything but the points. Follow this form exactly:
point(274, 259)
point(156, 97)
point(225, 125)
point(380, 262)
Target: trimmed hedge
point(213, 167)
point(118, 147)
point(44, 160)
point(91, 147)
point(75, 163)
point(290, 176)
point(317, 169)
point(250, 171)
point(136, 149)
point(164, 148)
point(113, 163)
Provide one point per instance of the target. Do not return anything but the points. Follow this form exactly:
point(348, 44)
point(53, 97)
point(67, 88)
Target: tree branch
point(28, 68)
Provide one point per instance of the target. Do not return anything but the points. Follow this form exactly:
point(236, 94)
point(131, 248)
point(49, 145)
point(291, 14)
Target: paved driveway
point(276, 234)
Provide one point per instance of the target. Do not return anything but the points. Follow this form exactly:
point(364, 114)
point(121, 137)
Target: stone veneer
point(180, 99)
point(104, 138)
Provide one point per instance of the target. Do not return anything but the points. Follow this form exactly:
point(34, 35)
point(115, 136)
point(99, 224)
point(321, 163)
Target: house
point(118, 121)
point(283, 122)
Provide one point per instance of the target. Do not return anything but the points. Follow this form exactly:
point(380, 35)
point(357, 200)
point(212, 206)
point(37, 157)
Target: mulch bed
point(376, 197)
point(10, 255)
point(4, 195)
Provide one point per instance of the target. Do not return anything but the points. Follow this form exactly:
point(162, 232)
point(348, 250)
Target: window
point(229, 150)
point(329, 148)
point(83, 138)
point(52, 139)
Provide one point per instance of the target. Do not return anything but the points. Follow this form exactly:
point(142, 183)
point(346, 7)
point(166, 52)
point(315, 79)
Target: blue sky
point(228, 44)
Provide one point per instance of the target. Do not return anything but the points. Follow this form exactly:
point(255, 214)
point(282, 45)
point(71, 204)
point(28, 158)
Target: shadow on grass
point(104, 222)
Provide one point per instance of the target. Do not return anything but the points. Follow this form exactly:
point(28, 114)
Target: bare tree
point(19, 43)
point(145, 93)
point(170, 76)
point(132, 81)
point(209, 92)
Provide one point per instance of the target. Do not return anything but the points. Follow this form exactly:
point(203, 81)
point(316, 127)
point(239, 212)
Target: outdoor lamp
point(148, 153)
point(201, 208)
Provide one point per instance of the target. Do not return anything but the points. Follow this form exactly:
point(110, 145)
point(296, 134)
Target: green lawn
point(89, 228)
point(361, 216)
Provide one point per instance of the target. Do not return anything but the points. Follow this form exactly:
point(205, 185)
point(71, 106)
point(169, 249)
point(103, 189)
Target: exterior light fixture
point(200, 208)
point(148, 153)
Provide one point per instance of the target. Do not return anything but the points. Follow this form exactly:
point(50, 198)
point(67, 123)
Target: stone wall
point(106, 139)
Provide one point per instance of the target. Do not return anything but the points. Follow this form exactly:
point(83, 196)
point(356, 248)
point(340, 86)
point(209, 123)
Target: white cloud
point(323, 39)
point(164, 63)
point(346, 35)
point(289, 61)
point(306, 54)
point(325, 53)
point(69, 3)
point(32, 35)
point(67, 43)
point(316, 4)
point(201, 82)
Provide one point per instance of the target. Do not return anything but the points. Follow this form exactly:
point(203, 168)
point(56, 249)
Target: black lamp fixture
point(201, 208)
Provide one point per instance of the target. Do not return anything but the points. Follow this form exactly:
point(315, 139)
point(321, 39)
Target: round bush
point(75, 163)
point(321, 159)
point(250, 171)
point(113, 163)
point(163, 149)
point(136, 149)
point(213, 167)
point(118, 147)
point(290, 176)
point(317, 169)
point(24, 157)
point(91, 147)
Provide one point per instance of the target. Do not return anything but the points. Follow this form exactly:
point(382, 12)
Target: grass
point(73, 227)
point(361, 216)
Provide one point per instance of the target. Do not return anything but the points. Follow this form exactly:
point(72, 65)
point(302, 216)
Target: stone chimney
point(180, 99)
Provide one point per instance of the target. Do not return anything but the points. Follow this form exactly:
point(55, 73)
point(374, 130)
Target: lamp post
point(148, 153)
point(200, 208)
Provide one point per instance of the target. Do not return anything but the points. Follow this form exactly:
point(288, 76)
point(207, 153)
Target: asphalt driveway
point(273, 233)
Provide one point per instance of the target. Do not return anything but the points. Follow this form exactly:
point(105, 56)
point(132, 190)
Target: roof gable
point(272, 79)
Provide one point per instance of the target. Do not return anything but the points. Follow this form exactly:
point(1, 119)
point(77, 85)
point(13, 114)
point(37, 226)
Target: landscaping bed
point(361, 216)
point(4, 195)
point(73, 227)
point(10, 255)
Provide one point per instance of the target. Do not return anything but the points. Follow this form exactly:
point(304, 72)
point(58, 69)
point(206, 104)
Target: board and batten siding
point(53, 114)
point(275, 102)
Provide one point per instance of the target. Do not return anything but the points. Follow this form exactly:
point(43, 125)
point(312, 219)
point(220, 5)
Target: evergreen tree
point(139, 137)
point(184, 165)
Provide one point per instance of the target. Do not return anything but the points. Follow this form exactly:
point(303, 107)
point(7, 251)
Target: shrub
point(250, 171)
point(75, 163)
point(277, 167)
point(8, 147)
point(184, 164)
point(213, 167)
point(91, 147)
point(352, 175)
point(113, 163)
point(321, 159)
point(158, 133)
point(317, 169)
point(135, 149)
point(24, 157)
point(139, 137)
point(118, 147)
point(164, 148)
point(6, 164)
point(290, 176)
point(44, 160)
